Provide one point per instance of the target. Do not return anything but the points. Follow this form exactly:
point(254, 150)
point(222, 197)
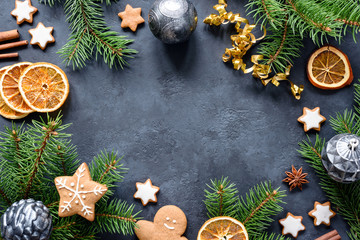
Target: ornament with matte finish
point(28, 220)
point(172, 21)
point(341, 158)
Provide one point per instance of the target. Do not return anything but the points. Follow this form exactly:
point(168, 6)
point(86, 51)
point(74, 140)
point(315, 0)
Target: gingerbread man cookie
point(24, 11)
point(169, 223)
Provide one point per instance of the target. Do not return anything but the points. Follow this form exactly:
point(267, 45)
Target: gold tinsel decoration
point(242, 42)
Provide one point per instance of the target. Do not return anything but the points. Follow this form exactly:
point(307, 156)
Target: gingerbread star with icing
point(131, 17)
point(292, 225)
point(322, 213)
point(24, 11)
point(146, 192)
point(79, 193)
point(311, 119)
point(41, 35)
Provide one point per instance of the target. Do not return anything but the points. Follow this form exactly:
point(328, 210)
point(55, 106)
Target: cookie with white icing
point(169, 223)
point(24, 11)
point(322, 213)
point(41, 36)
point(146, 192)
point(311, 119)
point(292, 225)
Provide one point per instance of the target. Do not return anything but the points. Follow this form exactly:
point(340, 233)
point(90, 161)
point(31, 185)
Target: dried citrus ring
point(220, 228)
point(5, 110)
point(44, 87)
point(329, 68)
point(9, 87)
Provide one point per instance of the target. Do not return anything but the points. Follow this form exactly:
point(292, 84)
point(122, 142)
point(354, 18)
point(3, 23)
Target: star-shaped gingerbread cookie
point(322, 213)
point(131, 17)
point(146, 192)
point(292, 225)
point(311, 119)
point(23, 11)
point(41, 36)
point(78, 194)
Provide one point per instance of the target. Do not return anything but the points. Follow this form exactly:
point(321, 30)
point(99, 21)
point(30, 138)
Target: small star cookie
point(79, 193)
point(322, 213)
point(23, 11)
point(41, 35)
point(131, 17)
point(311, 119)
point(292, 225)
point(146, 192)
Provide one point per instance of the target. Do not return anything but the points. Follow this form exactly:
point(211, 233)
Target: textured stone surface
point(180, 116)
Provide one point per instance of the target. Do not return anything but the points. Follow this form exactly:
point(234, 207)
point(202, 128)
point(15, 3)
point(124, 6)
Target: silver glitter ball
point(341, 158)
point(172, 21)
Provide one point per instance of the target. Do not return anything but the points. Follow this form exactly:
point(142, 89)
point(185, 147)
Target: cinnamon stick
point(13, 44)
point(9, 55)
point(333, 235)
point(9, 35)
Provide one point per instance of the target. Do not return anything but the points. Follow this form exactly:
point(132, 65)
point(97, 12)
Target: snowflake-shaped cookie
point(78, 194)
point(311, 119)
point(24, 11)
point(322, 213)
point(41, 35)
point(292, 225)
point(146, 192)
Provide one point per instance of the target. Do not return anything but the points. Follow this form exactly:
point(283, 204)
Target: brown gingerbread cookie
point(322, 213)
point(131, 17)
point(169, 223)
point(24, 11)
point(79, 193)
point(41, 35)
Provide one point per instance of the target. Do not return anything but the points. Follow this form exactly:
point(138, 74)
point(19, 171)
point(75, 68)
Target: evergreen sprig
point(32, 156)
point(255, 210)
point(346, 197)
point(90, 36)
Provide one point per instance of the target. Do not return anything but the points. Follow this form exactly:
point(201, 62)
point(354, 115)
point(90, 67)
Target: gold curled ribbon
point(242, 42)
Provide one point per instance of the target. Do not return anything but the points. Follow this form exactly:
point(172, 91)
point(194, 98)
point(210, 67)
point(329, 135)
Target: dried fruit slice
point(9, 88)
point(5, 110)
point(220, 228)
point(44, 87)
point(329, 68)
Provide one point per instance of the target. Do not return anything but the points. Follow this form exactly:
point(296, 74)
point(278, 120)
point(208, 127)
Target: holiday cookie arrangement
point(48, 193)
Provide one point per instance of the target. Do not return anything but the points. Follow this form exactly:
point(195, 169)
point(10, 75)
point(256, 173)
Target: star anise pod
point(296, 178)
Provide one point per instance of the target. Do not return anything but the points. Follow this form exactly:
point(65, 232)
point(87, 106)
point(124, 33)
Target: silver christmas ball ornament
point(172, 21)
point(341, 158)
point(26, 220)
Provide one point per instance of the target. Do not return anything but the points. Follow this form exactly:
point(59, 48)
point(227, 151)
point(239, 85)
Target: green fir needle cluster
point(346, 197)
point(290, 21)
point(32, 156)
point(90, 36)
point(255, 210)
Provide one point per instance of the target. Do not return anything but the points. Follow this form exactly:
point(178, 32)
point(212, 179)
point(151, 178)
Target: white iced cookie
point(322, 213)
point(292, 225)
point(146, 192)
point(41, 36)
point(311, 119)
point(23, 11)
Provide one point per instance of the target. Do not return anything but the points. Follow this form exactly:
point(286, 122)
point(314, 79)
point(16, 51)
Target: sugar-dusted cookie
point(24, 11)
point(322, 213)
point(292, 225)
point(79, 193)
point(146, 192)
point(41, 35)
point(311, 119)
point(169, 223)
point(131, 17)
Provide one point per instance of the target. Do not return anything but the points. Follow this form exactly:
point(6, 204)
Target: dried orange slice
point(44, 87)
point(329, 68)
point(220, 228)
point(5, 110)
point(9, 87)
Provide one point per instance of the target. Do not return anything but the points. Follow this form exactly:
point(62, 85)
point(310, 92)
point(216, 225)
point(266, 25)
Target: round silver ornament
point(172, 21)
point(341, 158)
point(26, 219)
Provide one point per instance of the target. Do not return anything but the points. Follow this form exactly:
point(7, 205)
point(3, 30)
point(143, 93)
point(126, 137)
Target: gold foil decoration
point(242, 42)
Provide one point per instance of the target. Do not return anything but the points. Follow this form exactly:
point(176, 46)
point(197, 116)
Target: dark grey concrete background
point(182, 117)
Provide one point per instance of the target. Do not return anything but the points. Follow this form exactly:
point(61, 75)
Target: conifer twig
point(258, 208)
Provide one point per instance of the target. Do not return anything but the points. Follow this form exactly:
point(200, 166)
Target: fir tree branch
point(4, 196)
point(280, 48)
point(273, 236)
point(64, 226)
